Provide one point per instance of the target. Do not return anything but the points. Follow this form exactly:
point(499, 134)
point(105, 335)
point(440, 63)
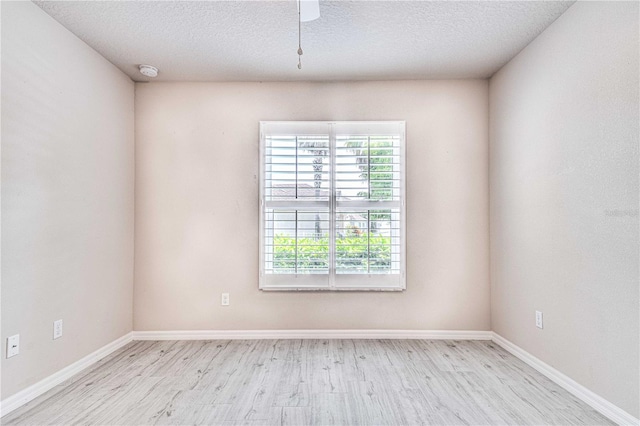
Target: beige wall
point(197, 205)
point(67, 196)
point(564, 198)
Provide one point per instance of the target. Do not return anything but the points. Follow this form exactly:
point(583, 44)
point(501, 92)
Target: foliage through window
point(332, 205)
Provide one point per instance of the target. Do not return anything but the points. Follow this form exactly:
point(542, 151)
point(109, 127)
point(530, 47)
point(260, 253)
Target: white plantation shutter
point(332, 206)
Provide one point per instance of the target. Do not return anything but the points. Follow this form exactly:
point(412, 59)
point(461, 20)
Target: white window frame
point(332, 281)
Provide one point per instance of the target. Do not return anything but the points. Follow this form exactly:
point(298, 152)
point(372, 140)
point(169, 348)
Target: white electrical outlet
point(13, 345)
point(57, 329)
point(538, 319)
point(225, 299)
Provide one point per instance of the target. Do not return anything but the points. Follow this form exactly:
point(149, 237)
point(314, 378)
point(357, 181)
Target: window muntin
point(332, 206)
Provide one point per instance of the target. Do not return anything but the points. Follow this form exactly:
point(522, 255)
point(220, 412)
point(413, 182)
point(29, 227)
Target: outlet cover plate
point(57, 329)
point(539, 319)
point(224, 300)
point(13, 345)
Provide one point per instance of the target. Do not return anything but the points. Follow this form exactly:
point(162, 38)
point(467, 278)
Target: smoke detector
point(148, 70)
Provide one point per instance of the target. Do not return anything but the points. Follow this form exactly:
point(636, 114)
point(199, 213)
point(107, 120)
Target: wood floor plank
point(308, 382)
point(295, 416)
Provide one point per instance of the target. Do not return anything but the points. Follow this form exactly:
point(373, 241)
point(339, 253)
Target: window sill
point(334, 289)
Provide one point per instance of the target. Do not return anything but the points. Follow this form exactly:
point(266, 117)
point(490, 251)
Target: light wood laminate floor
point(303, 382)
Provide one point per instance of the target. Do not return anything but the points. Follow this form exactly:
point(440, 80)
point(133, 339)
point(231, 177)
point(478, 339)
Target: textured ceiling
point(352, 40)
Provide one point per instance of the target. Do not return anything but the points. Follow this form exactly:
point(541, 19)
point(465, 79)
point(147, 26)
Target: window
point(332, 214)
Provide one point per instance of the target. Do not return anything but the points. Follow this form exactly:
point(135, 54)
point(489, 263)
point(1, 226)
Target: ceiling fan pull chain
point(299, 35)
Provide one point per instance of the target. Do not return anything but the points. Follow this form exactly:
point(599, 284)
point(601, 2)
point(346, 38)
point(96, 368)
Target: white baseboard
point(17, 400)
point(311, 334)
point(606, 408)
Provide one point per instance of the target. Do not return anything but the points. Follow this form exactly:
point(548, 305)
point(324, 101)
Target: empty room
point(314, 212)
